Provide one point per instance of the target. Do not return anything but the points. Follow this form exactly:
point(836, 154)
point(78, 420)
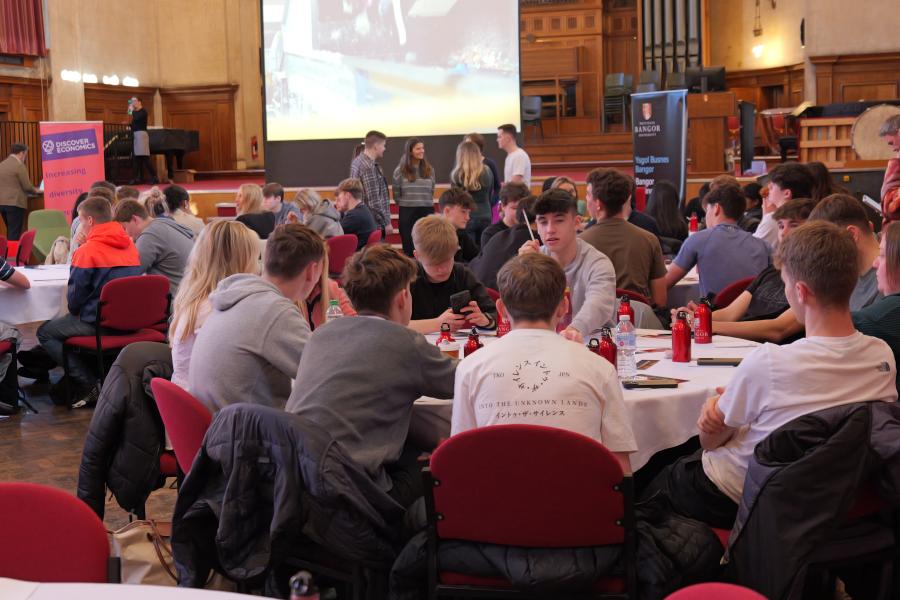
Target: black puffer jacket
point(802, 480)
point(126, 435)
point(266, 482)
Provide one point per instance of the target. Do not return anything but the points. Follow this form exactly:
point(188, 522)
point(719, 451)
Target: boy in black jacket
point(440, 276)
point(455, 205)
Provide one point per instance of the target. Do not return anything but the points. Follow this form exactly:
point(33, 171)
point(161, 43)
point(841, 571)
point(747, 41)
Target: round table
point(660, 418)
point(44, 300)
point(13, 589)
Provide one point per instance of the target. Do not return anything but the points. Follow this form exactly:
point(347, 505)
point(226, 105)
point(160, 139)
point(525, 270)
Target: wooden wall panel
point(768, 88)
point(209, 110)
point(850, 78)
point(109, 103)
point(620, 46)
point(23, 99)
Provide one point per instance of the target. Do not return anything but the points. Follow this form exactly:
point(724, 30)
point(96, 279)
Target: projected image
point(337, 68)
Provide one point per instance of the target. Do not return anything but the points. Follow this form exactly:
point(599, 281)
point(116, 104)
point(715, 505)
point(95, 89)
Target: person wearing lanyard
point(141, 142)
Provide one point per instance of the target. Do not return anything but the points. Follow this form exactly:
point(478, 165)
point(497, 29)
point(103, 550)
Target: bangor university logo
point(646, 110)
point(48, 146)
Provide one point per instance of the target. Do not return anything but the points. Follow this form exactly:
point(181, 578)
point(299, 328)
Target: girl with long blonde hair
point(224, 248)
point(249, 200)
point(471, 174)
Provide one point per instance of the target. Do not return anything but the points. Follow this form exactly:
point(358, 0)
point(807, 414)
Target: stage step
point(248, 175)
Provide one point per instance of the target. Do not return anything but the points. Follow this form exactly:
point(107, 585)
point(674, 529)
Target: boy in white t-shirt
point(536, 377)
point(832, 366)
point(517, 167)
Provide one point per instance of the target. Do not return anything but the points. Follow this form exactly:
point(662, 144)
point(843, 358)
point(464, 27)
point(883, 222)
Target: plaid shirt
point(375, 191)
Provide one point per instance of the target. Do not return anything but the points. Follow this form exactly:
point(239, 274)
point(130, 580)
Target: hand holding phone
point(460, 300)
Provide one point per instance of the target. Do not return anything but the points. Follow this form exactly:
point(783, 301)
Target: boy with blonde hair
point(440, 276)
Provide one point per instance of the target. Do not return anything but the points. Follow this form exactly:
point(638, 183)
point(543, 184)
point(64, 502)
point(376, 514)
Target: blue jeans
point(51, 334)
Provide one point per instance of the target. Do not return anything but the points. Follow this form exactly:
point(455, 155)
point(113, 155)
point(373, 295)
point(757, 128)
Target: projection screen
point(335, 69)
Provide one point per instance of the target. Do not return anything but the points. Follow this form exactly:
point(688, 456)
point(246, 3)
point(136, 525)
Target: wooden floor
point(46, 448)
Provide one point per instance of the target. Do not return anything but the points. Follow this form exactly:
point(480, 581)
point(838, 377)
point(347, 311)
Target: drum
point(864, 134)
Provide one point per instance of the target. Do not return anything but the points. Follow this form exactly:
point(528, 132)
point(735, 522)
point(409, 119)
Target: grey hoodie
point(249, 347)
point(591, 278)
point(164, 247)
point(325, 220)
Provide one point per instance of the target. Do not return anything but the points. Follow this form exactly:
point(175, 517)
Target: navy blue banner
point(660, 137)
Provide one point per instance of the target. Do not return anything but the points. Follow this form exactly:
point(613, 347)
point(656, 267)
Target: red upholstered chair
point(56, 537)
point(186, 420)
point(523, 474)
point(633, 296)
point(715, 591)
point(374, 238)
point(340, 248)
point(135, 307)
point(494, 294)
point(732, 291)
point(23, 250)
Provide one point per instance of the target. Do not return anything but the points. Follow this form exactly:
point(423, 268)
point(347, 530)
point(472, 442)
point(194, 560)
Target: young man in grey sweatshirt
point(359, 376)
point(163, 244)
point(590, 275)
point(250, 345)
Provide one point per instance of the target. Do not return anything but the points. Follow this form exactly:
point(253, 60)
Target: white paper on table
point(54, 273)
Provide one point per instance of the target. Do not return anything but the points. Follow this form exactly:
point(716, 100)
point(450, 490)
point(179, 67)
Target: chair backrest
point(715, 591)
point(731, 292)
point(670, 245)
point(646, 87)
point(185, 418)
point(374, 238)
point(340, 248)
point(632, 295)
point(26, 244)
point(676, 81)
point(490, 484)
point(629, 82)
point(531, 107)
point(132, 303)
point(494, 294)
point(613, 80)
point(47, 218)
point(649, 77)
point(56, 536)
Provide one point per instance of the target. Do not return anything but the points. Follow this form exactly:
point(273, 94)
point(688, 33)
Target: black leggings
point(408, 217)
point(139, 163)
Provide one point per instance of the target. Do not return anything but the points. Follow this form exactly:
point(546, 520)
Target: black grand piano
point(118, 147)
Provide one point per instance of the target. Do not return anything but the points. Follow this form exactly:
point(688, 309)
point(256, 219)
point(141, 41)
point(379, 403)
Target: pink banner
point(72, 156)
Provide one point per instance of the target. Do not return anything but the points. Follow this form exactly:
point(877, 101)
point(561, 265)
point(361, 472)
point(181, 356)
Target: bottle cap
point(682, 315)
point(625, 299)
point(445, 327)
point(593, 343)
point(474, 331)
point(605, 332)
point(333, 303)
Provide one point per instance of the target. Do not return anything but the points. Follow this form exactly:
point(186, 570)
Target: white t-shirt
point(767, 230)
point(537, 377)
point(517, 163)
point(181, 350)
point(776, 384)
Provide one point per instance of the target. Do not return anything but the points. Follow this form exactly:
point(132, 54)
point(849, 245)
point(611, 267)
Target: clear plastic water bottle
point(626, 342)
point(333, 312)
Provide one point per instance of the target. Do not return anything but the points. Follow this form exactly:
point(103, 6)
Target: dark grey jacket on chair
point(126, 435)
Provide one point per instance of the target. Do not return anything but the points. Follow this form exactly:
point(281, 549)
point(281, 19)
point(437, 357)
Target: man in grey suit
point(15, 187)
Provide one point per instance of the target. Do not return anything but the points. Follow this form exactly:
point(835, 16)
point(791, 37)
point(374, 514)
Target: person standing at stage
point(375, 191)
point(413, 189)
point(141, 142)
point(15, 187)
point(517, 168)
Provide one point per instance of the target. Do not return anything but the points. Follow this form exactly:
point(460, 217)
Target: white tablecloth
point(13, 589)
point(44, 300)
point(660, 418)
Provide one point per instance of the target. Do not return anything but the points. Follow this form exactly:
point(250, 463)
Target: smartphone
point(718, 362)
point(460, 300)
point(645, 364)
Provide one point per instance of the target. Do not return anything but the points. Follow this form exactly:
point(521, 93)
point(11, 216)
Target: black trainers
point(7, 410)
point(36, 359)
point(88, 400)
point(32, 373)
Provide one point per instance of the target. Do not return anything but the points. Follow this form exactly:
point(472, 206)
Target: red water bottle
point(625, 309)
point(608, 346)
point(594, 346)
point(503, 326)
point(472, 344)
point(703, 322)
point(694, 227)
point(681, 339)
point(445, 334)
